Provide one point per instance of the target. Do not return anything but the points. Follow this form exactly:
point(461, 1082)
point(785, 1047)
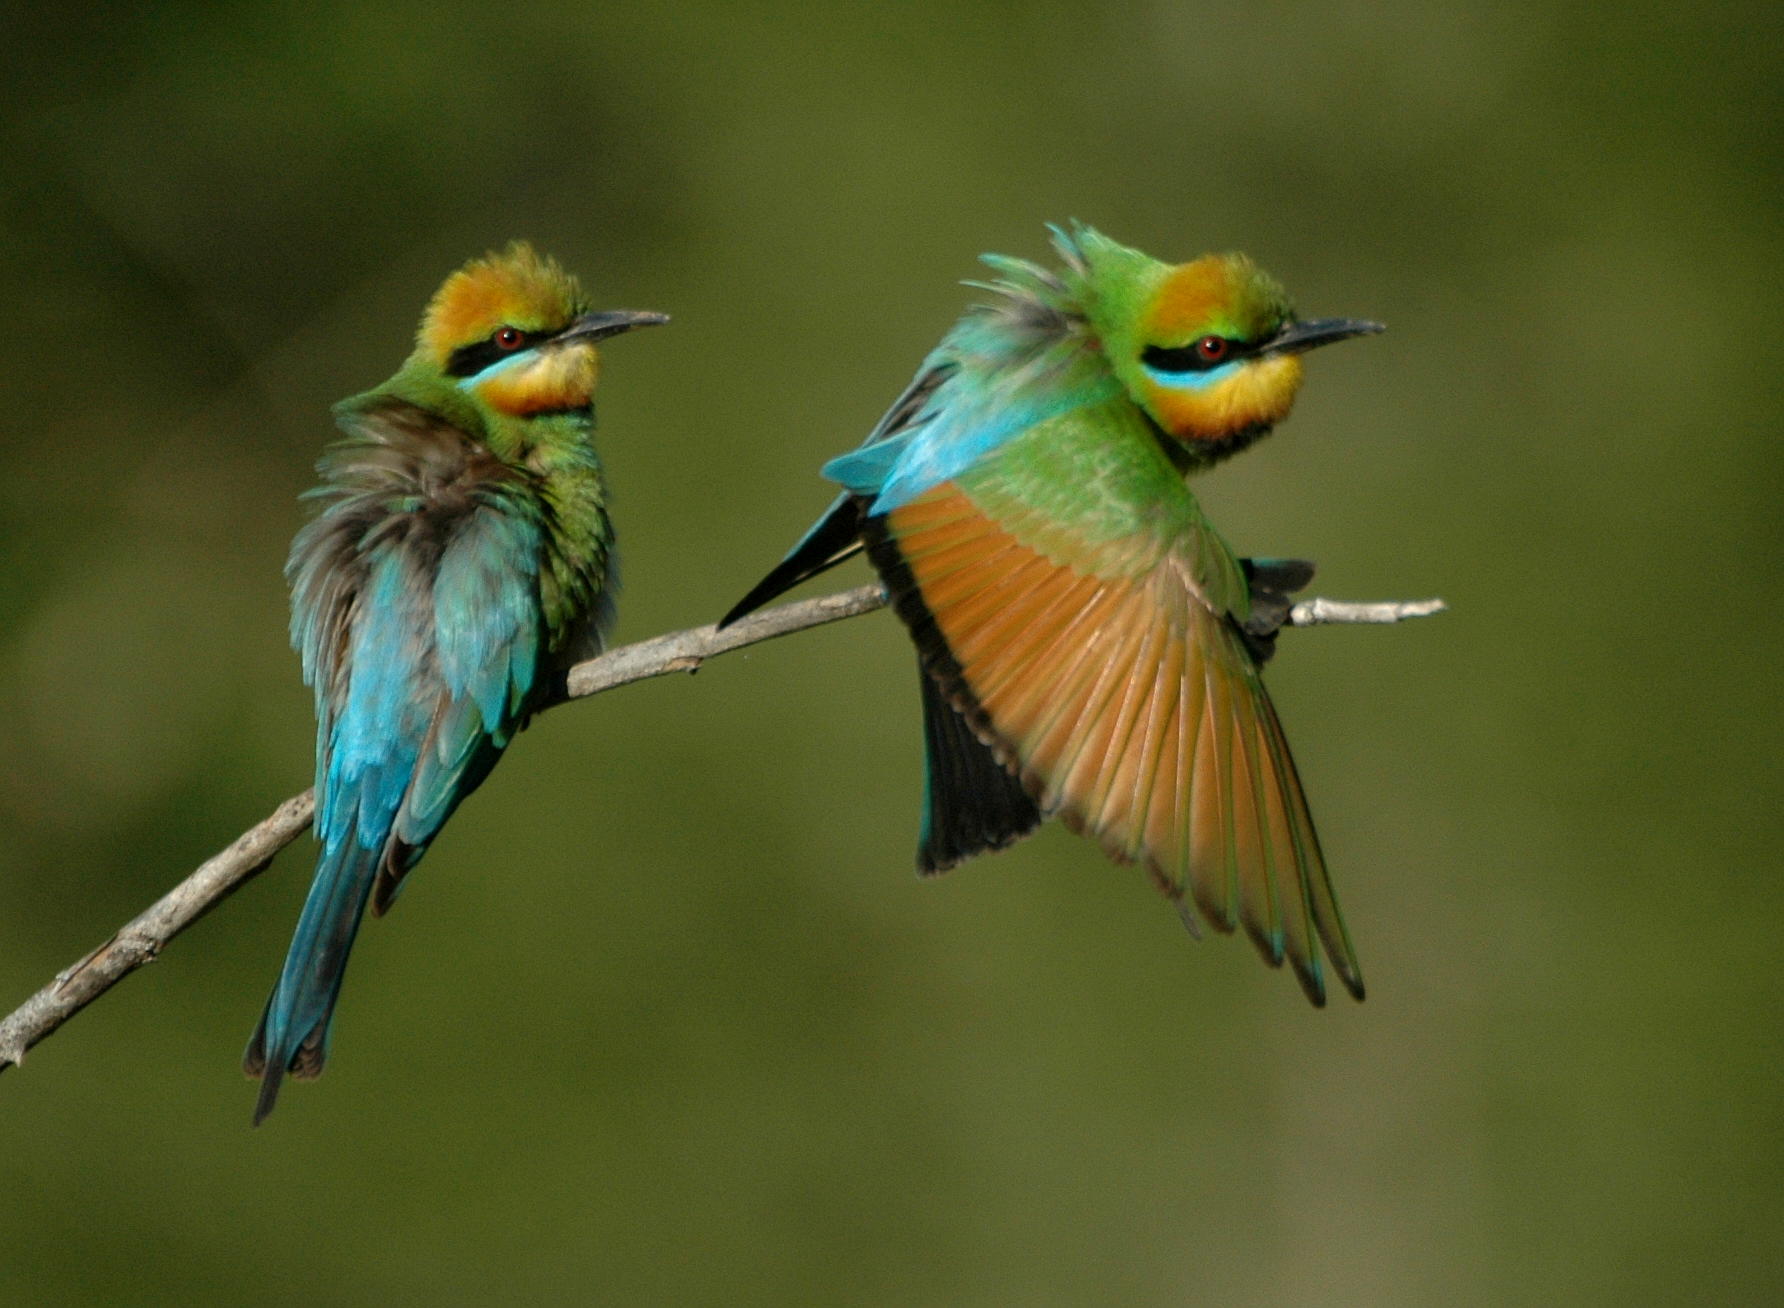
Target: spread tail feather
point(836, 536)
point(293, 1032)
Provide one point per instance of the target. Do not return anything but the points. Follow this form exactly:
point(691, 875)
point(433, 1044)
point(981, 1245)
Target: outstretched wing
point(1078, 610)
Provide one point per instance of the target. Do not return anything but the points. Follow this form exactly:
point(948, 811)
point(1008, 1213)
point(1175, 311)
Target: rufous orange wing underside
point(1128, 706)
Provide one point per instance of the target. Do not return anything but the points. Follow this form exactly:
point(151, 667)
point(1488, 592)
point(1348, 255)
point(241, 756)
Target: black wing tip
point(777, 583)
point(936, 856)
point(746, 606)
point(835, 537)
point(933, 864)
point(933, 861)
point(972, 803)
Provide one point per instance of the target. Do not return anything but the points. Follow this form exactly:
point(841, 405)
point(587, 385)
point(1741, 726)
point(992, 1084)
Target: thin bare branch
point(684, 651)
point(1324, 612)
point(141, 939)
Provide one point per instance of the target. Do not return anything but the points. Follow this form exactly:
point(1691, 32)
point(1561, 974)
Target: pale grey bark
point(144, 936)
point(1323, 612)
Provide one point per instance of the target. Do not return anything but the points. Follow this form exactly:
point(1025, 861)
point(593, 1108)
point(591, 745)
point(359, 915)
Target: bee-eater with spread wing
point(1090, 647)
point(462, 558)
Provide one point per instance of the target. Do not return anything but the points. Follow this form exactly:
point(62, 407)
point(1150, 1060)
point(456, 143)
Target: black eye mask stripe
point(1187, 358)
point(469, 360)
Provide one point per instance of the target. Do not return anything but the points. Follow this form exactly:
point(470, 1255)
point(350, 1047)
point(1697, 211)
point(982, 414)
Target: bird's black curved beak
point(600, 325)
point(1296, 337)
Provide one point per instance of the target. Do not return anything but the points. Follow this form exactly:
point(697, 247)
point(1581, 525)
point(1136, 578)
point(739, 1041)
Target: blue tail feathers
point(293, 1032)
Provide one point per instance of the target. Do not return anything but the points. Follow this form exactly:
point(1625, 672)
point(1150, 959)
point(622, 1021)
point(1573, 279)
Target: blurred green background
point(666, 1017)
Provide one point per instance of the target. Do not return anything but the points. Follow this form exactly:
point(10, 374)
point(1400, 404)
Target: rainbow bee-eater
point(461, 559)
point(1089, 646)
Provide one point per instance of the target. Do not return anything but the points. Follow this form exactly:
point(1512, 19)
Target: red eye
point(1212, 349)
point(510, 338)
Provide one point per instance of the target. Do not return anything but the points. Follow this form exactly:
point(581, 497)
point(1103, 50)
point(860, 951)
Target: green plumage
point(1098, 643)
point(460, 561)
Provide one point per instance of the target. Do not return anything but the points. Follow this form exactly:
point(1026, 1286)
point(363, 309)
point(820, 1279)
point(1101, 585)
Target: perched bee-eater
point(462, 558)
point(1090, 647)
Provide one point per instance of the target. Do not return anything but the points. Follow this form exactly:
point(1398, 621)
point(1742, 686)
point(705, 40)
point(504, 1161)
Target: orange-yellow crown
point(1226, 294)
point(516, 287)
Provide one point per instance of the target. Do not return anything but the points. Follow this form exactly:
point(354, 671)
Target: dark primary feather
point(972, 804)
point(836, 536)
